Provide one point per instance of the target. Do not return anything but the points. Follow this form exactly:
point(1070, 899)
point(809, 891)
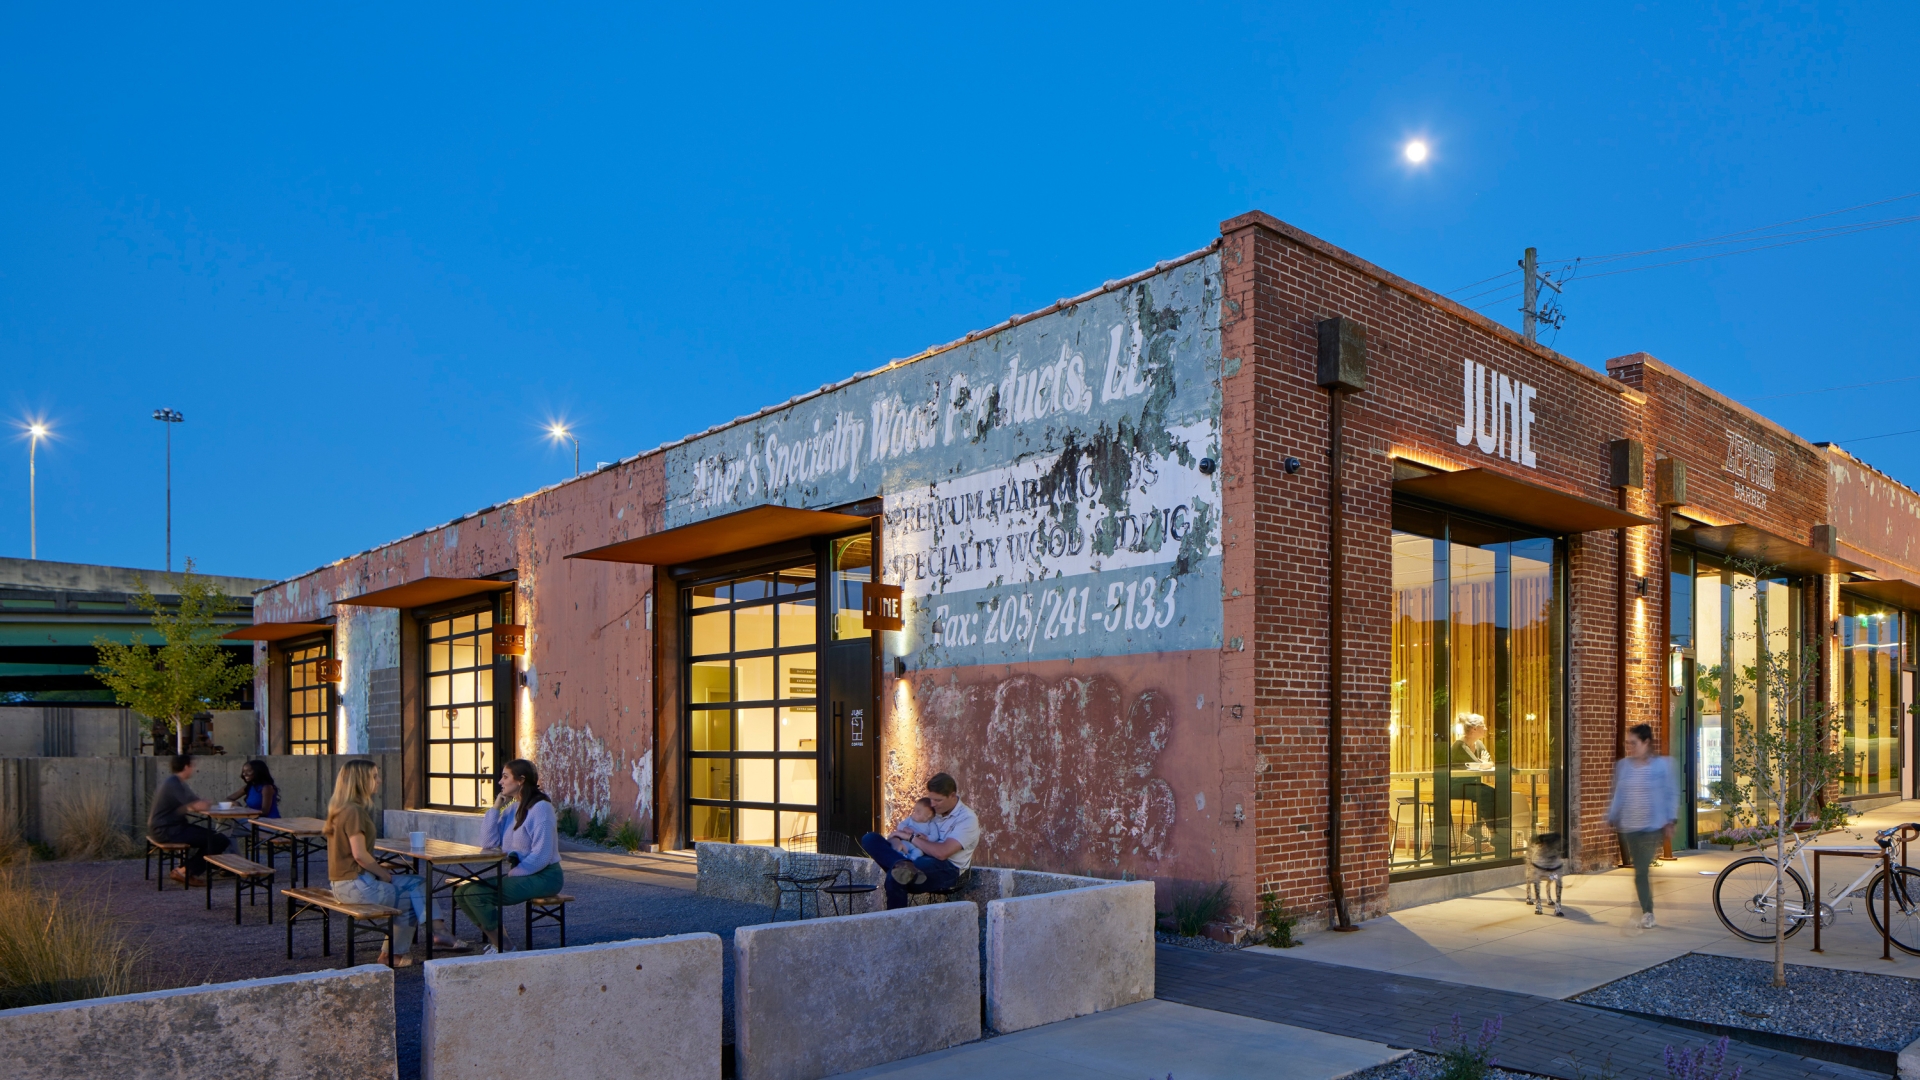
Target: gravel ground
point(1420, 1065)
point(1198, 944)
point(190, 945)
point(1850, 1007)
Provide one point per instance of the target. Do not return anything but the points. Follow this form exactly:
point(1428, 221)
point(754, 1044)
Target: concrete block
point(828, 996)
point(321, 1025)
point(737, 872)
point(1061, 954)
point(649, 1010)
point(1035, 882)
point(437, 824)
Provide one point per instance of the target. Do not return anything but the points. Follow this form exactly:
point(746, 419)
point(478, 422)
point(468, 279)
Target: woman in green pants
point(522, 824)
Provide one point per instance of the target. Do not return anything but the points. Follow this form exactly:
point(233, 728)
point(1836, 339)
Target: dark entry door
point(851, 772)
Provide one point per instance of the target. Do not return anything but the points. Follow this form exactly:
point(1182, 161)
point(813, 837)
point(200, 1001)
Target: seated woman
point(522, 824)
point(359, 878)
point(257, 792)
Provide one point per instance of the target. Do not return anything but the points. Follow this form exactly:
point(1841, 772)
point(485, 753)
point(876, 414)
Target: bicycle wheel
point(1905, 931)
point(1743, 898)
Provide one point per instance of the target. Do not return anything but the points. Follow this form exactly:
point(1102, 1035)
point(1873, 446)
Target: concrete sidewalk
point(1150, 1039)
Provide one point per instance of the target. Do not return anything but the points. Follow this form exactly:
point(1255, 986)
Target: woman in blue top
point(522, 824)
point(257, 790)
point(1646, 802)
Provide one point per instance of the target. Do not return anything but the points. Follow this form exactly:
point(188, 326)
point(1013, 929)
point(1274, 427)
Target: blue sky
point(368, 255)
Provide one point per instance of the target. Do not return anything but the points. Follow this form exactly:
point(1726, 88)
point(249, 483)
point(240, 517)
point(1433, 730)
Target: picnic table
point(300, 837)
point(215, 815)
point(447, 866)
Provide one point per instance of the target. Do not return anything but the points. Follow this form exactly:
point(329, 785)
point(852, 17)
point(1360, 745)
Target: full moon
point(1416, 151)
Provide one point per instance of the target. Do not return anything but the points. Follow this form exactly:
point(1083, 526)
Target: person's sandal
point(396, 961)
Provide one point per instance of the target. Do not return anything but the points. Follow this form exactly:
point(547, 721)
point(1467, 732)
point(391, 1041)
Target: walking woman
point(1646, 802)
point(522, 824)
point(359, 878)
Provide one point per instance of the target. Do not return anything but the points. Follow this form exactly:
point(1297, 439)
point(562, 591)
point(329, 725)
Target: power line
point(1825, 234)
point(1830, 389)
point(1888, 435)
point(1728, 237)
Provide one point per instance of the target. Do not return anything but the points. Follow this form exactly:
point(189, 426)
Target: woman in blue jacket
point(1646, 802)
point(522, 824)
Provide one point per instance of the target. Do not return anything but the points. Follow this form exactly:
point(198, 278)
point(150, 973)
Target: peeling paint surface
point(576, 769)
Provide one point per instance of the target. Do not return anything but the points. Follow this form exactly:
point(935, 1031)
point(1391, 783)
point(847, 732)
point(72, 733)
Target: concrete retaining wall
point(437, 824)
point(323, 1025)
point(643, 1009)
point(739, 872)
point(828, 996)
point(105, 731)
point(32, 789)
point(1064, 953)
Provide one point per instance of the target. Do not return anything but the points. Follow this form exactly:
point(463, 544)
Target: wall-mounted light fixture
point(1637, 586)
point(1292, 465)
point(1207, 466)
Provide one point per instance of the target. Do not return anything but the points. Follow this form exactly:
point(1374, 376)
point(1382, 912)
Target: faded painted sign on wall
point(1044, 492)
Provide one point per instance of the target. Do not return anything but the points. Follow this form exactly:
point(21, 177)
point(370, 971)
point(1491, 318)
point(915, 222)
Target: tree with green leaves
point(1782, 756)
point(188, 672)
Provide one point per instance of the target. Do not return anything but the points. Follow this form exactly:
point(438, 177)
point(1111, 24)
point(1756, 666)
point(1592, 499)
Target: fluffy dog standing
point(1546, 857)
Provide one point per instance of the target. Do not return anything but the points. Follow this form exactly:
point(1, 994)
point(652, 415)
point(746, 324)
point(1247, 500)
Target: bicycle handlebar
point(1904, 832)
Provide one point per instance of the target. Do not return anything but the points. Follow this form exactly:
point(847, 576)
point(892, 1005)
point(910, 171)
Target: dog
point(1545, 859)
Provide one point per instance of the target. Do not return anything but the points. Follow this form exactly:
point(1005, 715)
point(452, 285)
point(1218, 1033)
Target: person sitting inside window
point(167, 822)
point(1471, 759)
point(521, 823)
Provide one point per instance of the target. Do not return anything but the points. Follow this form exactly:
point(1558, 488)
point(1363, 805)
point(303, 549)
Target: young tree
point(1782, 755)
point(189, 671)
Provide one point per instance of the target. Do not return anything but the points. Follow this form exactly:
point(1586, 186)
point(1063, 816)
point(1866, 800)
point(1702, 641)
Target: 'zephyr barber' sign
point(1497, 413)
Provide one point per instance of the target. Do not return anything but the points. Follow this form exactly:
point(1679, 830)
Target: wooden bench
point(170, 856)
point(551, 909)
point(246, 874)
point(302, 902)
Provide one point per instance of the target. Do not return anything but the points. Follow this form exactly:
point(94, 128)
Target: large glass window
point(461, 771)
point(1736, 622)
point(1870, 696)
point(753, 699)
point(1474, 715)
point(310, 700)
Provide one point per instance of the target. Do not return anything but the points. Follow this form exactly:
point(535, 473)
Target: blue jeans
point(408, 892)
point(941, 874)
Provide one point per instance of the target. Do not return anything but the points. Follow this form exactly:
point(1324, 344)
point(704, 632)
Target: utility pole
point(36, 432)
point(1530, 295)
point(169, 417)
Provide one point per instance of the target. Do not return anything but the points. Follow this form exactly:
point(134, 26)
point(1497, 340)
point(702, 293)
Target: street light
point(169, 417)
point(558, 432)
point(36, 431)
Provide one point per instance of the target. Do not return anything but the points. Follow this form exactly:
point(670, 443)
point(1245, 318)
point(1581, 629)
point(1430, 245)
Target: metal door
point(852, 777)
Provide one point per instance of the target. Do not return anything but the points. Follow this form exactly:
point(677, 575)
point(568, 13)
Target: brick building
point(1112, 529)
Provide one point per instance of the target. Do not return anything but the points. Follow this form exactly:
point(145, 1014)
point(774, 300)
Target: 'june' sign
point(1497, 413)
point(880, 606)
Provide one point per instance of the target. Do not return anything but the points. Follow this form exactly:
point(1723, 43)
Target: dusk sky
point(370, 252)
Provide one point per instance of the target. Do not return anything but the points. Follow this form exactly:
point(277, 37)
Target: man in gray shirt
point(167, 822)
point(945, 844)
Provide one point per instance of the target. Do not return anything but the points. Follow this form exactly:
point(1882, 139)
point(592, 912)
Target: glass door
point(752, 678)
point(1872, 704)
point(310, 703)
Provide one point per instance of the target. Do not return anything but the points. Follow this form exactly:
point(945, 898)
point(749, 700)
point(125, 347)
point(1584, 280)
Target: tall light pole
point(169, 417)
point(558, 432)
point(35, 432)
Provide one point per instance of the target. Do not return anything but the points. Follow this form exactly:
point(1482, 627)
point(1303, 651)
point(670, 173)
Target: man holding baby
point(931, 847)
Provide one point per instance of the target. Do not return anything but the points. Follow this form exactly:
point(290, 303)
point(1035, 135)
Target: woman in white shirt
point(522, 824)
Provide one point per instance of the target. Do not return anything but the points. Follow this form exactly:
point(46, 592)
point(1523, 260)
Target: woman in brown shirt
point(359, 878)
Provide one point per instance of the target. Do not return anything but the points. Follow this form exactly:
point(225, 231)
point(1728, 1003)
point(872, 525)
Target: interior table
point(447, 866)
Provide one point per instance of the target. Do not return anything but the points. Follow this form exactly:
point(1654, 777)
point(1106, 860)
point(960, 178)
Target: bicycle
point(1748, 885)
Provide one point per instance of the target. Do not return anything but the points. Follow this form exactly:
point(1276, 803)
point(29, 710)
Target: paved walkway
point(1149, 1039)
point(1538, 1034)
point(1493, 940)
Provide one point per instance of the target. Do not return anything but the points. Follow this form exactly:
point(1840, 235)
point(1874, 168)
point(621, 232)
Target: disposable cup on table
point(417, 840)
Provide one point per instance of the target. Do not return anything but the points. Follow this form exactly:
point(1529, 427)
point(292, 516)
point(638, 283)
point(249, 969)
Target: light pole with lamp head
point(558, 432)
point(35, 432)
point(169, 417)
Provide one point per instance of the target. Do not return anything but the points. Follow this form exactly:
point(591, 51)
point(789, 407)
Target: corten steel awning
point(1519, 501)
point(276, 631)
point(1898, 593)
point(427, 590)
point(1758, 545)
point(724, 535)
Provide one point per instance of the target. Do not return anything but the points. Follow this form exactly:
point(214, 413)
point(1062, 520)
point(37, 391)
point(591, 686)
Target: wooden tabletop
point(232, 812)
point(293, 826)
point(439, 851)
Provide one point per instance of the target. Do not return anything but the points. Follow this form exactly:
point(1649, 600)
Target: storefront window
point(460, 710)
point(753, 688)
point(309, 698)
point(1870, 696)
point(1736, 620)
point(1474, 716)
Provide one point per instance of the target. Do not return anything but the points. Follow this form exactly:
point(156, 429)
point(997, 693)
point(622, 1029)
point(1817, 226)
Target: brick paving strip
point(1537, 1034)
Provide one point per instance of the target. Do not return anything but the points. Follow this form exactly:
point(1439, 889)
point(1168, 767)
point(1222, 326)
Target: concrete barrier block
point(321, 1025)
point(828, 996)
point(1062, 954)
point(737, 872)
point(649, 1010)
point(437, 824)
point(1035, 882)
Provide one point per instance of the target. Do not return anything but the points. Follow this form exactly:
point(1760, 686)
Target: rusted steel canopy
point(275, 631)
point(1897, 592)
point(427, 590)
point(1521, 501)
point(724, 535)
point(1758, 545)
